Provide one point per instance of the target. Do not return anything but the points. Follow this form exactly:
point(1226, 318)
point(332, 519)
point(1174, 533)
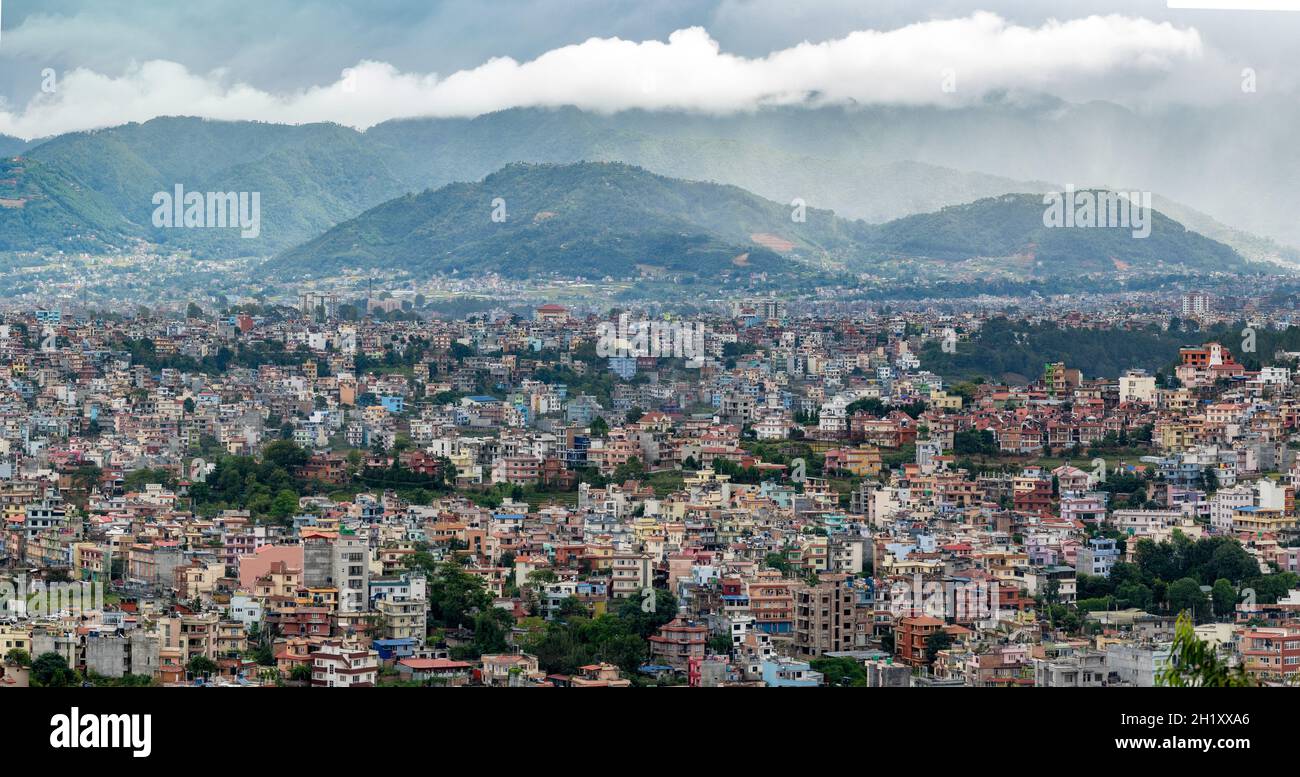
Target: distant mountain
point(610, 219)
point(859, 163)
point(314, 176)
point(310, 177)
point(1252, 247)
point(42, 208)
point(1008, 233)
point(771, 155)
point(10, 146)
point(586, 219)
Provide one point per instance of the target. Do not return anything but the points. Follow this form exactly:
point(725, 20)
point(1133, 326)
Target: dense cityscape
point(340, 493)
point(649, 344)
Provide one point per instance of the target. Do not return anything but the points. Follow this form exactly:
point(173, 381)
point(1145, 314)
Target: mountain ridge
point(617, 220)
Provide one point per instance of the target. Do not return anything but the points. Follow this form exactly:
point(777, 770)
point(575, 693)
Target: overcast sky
point(359, 63)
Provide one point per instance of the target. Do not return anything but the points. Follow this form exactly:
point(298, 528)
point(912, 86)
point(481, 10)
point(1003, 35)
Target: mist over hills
point(611, 219)
point(875, 165)
point(1010, 227)
point(586, 219)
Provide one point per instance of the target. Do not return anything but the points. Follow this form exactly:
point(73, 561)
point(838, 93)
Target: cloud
point(973, 56)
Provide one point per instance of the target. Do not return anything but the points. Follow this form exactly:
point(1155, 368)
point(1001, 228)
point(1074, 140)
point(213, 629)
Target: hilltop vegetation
point(1017, 350)
point(1012, 226)
point(586, 219)
point(41, 207)
point(610, 219)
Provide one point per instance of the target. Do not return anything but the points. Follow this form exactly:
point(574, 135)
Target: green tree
point(201, 666)
point(1194, 663)
point(1186, 594)
point(50, 670)
point(842, 672)
point(777, 561)
point(1224, 596)
point(491, 632)
point(455, 596)
point(645, 615)
point(632, 469)
point(939, 640)
point(1133, 595)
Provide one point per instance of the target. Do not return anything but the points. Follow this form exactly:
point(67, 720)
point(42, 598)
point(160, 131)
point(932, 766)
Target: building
point(440, 671)
point(911, 635)
point(510, 670)
point(1196, 304)
point(1084, 669)
point(351, 571)
point(1097, 558)
point(1060, 380)
point(631, 575)
point(1137, 386)
point(826, 616)
point(678, 643)
point(334, 665)
point(1270, 653)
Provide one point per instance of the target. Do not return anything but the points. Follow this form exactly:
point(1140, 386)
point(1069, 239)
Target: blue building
point(395, 649)
point(778, 673)
point(1097, 558)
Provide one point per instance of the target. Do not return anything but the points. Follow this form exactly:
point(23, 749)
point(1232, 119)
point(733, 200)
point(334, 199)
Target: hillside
point(609, 219)
point(317, 175)
point(313, 177)
point(310, 177)
point(1010, 230)
point(587, 219)
point(42, 209)
point(761, 154)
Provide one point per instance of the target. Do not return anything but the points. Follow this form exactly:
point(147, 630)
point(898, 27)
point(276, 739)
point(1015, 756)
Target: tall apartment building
point(317, 560)
point(1060, 380)
point(771, 602)
point(1137, 386)
point(189, 635)
point(351, 571)
point(678, 643)
point(630, 574)
point(1195, 304)
point(826, 616)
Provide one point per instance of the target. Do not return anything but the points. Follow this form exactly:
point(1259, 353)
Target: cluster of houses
point(806, 492)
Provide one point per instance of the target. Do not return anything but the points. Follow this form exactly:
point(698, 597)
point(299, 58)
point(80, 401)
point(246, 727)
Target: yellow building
point(15, 638)
point(1260, 520)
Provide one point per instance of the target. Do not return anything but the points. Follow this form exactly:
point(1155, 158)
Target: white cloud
point(907, 65)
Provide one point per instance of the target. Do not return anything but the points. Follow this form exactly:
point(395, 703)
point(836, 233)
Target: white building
point(1137, 386)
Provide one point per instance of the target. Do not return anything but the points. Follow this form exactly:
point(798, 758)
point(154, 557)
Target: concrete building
point(825, 616)
point(351, 572)
point(1085, 669)
point(1136, 665)
point(117, 655)
point(335, 665)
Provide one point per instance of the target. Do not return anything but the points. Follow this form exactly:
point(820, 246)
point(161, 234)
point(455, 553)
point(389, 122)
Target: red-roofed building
point(677, 642)
point(442, 669)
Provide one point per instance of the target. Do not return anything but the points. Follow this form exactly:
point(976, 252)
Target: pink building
point(259, 562)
